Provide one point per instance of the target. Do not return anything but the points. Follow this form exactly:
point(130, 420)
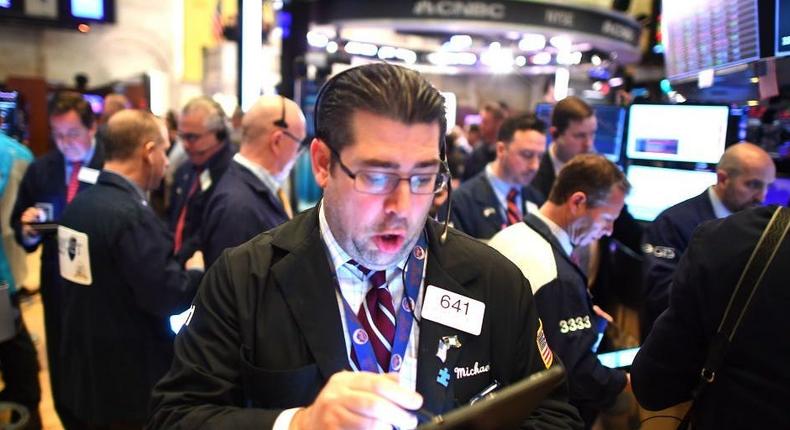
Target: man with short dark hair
point(742, 177)
point(501, 195)
point(573, 126)
point(249, 198)
point(121, 281)
point(203, 132)
point(491, 118)
point(330, 321)
point(50, 183)
point(586, 198)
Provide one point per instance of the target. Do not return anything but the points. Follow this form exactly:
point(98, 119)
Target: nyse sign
point(465, 9)
point(559, 17)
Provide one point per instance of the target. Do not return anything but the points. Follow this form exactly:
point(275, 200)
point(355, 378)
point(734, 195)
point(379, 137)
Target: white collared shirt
point(354, 286)
point(719, 209)
point(265, 177)
point(562, 236)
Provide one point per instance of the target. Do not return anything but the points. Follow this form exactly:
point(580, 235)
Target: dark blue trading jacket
point(573, 330)
point(664, 242)
point(240, 208)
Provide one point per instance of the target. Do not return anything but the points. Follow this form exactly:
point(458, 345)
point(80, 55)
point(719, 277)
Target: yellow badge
point(543, 346)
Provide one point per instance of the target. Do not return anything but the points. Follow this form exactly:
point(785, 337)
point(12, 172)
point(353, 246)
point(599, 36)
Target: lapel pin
point(444, 377)
point(487, 212)
point(445, 343)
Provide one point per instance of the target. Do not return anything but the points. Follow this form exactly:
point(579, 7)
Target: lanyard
point(359, 337)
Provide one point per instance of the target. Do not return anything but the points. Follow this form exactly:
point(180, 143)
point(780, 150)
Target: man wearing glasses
point(50, 183)
point(344, 316)
point(203, 132)
point(249, 198)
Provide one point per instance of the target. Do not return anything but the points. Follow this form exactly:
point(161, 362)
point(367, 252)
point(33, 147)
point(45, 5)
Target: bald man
point(742, 178)
point(248, 199)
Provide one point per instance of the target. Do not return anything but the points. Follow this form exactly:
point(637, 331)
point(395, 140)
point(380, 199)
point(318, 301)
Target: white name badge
point(453, 310)
point(205, 180)
point(74, 256)
point(88, 175)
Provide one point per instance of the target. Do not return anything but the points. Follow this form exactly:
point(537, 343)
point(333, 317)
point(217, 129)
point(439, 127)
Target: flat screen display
point(96, 101)
point(5, 4)
point(778, 193)
point(8, 102)
point(691, 133)
point(88, 9)
point(608, 137)
point(782, 27)
point(654, 189)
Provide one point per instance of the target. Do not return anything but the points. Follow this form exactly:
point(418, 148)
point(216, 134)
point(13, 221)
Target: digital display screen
point(654, 189)
point(8, 102)
point(618, 359)
point(96, 101)
point(782, 27)
point(691, 133)
point(88, 9)
point(5, 4)
point(778, 193)
point(608, 137)
point(708, 34)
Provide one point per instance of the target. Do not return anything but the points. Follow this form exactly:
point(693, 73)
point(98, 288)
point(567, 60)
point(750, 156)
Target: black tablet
point(503, 409)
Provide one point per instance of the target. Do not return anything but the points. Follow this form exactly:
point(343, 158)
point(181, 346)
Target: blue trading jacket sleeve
point(667, 367)
point(572, 331)
point(663, 246)
point(159, 283)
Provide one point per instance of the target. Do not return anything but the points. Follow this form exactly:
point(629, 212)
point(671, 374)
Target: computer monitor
point(8, 104)
point(654, 189)
point(609, 136)
point(778, 192)
point(690, 133)
point(96, 101)
point(611, 124)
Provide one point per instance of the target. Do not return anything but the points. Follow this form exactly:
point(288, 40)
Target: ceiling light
point(532, 42)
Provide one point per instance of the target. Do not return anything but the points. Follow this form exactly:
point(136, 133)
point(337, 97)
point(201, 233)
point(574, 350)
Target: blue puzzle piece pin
point(444, 377)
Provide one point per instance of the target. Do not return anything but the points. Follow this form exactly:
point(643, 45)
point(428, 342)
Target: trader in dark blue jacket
point(247, 200)
point(742, 178)
point(501, 195)
point(203, 130)
point(122, 281)
point(752, 385)
point(586, 198)
point(50, 183)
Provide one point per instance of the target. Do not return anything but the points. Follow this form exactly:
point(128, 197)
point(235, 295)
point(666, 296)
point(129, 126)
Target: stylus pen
point(486, 391)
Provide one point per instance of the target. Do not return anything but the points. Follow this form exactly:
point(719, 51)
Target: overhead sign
point(610, 25)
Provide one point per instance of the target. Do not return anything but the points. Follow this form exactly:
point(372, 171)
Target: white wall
point(142, 39)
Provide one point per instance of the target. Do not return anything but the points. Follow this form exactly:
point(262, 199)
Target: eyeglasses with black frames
point(375, 182)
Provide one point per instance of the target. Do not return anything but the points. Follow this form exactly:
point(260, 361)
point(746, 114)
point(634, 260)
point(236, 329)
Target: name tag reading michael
point(453, 310)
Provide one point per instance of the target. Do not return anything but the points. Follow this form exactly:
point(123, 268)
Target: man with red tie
point(50, 183)
point(501, 194)
point(203, 132)
point(341, 318)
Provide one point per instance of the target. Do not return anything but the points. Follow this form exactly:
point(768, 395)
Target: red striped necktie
point(178, 236)
point(74, 181)
point(377, 317)
point(513, 212)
